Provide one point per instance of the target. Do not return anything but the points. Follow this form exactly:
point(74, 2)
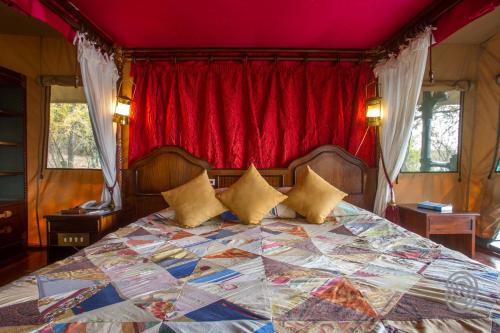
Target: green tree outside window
point(71, 142)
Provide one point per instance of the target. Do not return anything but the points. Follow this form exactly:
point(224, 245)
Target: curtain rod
point(248, 50)
point(242, 58)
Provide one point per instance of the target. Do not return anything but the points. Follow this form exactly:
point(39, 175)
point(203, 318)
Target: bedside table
point(67, 234)
point(455, 230)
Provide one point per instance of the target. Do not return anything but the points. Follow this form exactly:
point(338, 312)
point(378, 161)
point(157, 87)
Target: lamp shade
point(122, 106)
point(374, 111)
point(122, 110)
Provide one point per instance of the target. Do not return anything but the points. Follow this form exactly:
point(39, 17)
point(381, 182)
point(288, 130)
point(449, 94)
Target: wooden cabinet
point(67, 234)
point(13, 217)
point(12, 228)
point(455, 230)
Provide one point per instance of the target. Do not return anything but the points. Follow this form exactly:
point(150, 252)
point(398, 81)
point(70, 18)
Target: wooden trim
point(128, 51)
point(226, 177)
point(341, 169)
point(460, 135)
point(60, 80)
point(157, 153)
point(170, 149)
point(342, 153)
point(244, 54)
point(358, 59)
point(45, 128)
point(458, 171)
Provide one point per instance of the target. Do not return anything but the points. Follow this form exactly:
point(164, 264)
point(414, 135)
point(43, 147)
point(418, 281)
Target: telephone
point(92, 204)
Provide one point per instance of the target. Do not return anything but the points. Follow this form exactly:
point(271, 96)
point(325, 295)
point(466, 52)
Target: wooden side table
point(67, 234)
point(455, 230)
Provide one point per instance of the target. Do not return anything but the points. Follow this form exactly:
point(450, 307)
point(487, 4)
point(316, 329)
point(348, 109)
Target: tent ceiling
point(358, 24)
point(15, 23)
point(477, 31)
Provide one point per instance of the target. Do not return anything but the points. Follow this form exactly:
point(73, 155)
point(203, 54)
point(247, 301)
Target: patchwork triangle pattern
point(351, 273)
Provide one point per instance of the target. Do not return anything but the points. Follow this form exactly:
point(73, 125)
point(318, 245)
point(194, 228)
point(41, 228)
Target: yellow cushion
point(251, 197)
point(194, 202)
point(313, 197)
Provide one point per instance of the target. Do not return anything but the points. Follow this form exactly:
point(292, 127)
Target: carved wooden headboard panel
point(226, 177)
point(341, 169)
point(168, 167)
point(163, 169)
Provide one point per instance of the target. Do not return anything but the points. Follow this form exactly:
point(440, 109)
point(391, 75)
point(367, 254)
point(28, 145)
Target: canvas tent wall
point(472, 190)
point(34, 56)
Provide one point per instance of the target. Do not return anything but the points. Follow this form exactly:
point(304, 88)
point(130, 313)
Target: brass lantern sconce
point(374, 107)
point(122, 110)
point(122, 118)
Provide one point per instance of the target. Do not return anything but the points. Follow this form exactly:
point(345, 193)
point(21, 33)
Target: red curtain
point(234, 114)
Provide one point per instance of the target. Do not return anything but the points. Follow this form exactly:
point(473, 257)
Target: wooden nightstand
point(456, 230)
point(67, 234)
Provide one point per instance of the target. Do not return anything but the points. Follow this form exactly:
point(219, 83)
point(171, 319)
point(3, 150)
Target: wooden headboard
point(341, 169)
point(168, 167)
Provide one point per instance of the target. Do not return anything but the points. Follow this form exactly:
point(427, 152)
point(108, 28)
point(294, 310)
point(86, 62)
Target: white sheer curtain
point(400, 81)
point(99, 77)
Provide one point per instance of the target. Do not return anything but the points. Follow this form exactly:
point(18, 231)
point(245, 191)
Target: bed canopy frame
point(72, 16)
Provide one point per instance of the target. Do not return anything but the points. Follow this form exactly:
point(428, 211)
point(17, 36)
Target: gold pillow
point(251, 197)
point(194, 202)
point(313, 197)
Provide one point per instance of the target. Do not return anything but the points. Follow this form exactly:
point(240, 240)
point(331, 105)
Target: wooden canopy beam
point(74, 18)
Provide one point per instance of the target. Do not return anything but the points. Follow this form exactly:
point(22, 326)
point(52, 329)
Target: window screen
point(434, 142)
point(71, 142)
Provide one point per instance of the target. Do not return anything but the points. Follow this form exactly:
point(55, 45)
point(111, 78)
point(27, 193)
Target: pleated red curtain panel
point(234, 114)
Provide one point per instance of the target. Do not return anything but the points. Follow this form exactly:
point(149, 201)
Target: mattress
point(353, 273)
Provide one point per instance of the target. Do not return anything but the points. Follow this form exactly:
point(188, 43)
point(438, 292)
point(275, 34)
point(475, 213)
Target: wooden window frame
point(459, 146)
point(47, 81)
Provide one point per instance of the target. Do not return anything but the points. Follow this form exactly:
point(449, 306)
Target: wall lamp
point(374, 107)
point(122, 110)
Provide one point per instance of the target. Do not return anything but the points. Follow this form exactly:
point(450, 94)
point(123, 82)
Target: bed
point(357, 272)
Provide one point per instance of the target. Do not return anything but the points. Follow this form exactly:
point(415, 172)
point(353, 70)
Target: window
point(498, 166)
point(434, 142)
point(71, 142)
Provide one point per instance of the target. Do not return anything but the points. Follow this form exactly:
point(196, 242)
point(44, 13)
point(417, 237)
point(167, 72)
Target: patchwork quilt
point(356, 273)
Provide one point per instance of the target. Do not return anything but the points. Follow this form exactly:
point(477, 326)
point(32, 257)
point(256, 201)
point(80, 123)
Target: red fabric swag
point(234, 114)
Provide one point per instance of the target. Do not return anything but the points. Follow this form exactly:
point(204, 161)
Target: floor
point(36, 259)
point(488, 258)
point(32, 261)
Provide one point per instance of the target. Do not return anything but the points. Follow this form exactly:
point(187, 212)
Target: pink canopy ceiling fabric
point(315, 24)
point(355, 24)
